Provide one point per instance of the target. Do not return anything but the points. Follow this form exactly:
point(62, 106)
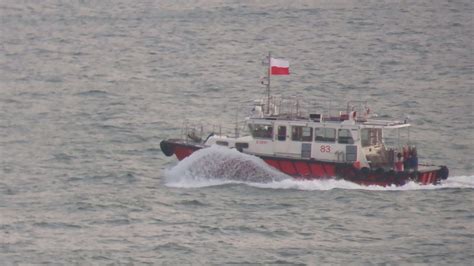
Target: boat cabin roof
point(356, 115)
point(372, 123)
point(384, 124)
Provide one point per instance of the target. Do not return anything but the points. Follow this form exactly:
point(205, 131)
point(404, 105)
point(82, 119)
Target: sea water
point(88, 89)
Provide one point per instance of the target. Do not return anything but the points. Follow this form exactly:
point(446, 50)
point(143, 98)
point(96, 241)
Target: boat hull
point(310, 169)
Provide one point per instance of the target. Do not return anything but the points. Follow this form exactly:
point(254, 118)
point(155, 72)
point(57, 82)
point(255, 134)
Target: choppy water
point(88, 89)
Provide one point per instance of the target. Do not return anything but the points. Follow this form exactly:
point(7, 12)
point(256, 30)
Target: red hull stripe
point(288, 168)
point(182, 152)
point(329, 169)
point(427, 178)
point(302, 168)
point(317, 170)
point(280, 70)
point(273, 164)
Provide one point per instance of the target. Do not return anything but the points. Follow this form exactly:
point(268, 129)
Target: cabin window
point(241, 145)
point(281, 133)
point(325, 134)
point(261, 131)
point(345, 136)
point(300, 133)
point(371, 136)
point(222, 143)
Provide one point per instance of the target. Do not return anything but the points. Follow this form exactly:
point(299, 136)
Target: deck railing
point(200, 131)
point(298, 107)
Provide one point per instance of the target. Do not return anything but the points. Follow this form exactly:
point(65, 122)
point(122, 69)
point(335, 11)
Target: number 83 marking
point(325, 148)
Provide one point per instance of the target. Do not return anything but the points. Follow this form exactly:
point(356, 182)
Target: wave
point(216, 166)
point(451, 182)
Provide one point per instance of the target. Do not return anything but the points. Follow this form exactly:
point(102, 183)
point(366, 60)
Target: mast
point(269, 70)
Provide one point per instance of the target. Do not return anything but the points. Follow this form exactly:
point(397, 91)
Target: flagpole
point(268, 81)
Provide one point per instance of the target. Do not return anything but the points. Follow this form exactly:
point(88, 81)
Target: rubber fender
point(363, 173)
point(443, 172)
point(379, 171)
point(391, 173)
point(400, 178)
point(390, 176)
point(342, 171)
point(166, 148)
point(380, 175)
point(416, 176)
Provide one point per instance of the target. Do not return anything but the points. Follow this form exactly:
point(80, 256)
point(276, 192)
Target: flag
point(279, 67)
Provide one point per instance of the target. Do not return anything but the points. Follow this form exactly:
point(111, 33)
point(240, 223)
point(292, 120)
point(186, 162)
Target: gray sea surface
point(88, 89)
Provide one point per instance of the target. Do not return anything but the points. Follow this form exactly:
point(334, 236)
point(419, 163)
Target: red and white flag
point(279, 67)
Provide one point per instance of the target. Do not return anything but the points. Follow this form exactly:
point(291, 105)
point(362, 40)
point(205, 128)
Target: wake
point(216, 166)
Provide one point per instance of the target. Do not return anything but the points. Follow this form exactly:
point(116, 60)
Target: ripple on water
point(88, 89)
point(57, 225)
point(93, 93)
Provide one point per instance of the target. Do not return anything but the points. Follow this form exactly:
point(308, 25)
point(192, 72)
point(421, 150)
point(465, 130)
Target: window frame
point(300, 135)
point(279, 135)
point(350, 139)
point(263, 134)
point(325, 136)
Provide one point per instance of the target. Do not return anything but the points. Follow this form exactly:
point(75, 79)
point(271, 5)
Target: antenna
point(237, 133)
point(268, 81)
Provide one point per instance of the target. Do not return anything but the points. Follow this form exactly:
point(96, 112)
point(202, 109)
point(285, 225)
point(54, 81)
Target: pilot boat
point(350, 144)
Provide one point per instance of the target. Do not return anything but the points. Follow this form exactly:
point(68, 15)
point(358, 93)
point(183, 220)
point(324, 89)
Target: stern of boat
point(424, 175)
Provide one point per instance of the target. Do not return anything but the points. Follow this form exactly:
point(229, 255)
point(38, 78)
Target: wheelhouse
point(350, 137)
point(348, 141)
